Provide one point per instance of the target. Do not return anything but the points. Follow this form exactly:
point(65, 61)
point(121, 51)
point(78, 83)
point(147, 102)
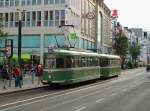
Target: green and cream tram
point(73, 66)
point(69, 66)
point(109, 65)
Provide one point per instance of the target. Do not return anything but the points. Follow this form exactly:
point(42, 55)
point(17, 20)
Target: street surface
point(129, 92)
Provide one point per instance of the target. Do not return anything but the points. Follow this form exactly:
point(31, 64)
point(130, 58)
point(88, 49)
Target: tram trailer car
point(109, 65)
point(68, 67)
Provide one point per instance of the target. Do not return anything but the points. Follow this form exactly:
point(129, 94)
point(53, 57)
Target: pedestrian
point(33, 72)
point(1, 67)
point(4, 76)
point(39, 73)
point(18, 77)
point(9, 74)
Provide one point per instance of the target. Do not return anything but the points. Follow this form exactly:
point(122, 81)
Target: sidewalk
point(27, 84)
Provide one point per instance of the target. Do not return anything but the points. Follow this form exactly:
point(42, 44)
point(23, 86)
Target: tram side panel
point(109, 66)
point(78, 69)
point(71, 76)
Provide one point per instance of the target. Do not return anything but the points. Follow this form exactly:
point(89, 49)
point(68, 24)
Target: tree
point(2, 33)
point(135, 52)
point(121, 46)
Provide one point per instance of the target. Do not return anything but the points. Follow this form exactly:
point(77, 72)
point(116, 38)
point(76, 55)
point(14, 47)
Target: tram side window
point(104, 62)
point(59, 63)
point(96, 62)
point(76, 60)
point(69, 62)
point(49, 63)
point(89, 61)
point(83, 62)
point(114, 62)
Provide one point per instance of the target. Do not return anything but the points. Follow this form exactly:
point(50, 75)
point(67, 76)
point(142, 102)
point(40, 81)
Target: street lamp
point(19, 35)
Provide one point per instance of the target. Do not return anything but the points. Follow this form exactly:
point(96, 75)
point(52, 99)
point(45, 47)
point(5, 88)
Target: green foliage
point(2, 33)
point(122, 45)
point(135, 52)
point(130, 65)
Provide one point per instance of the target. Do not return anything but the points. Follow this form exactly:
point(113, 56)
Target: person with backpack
point(18, 76)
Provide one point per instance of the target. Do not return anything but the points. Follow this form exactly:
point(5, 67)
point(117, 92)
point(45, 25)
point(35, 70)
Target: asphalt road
point(129, 92)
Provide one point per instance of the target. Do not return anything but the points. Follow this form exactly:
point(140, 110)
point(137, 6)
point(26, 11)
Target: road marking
point(125, 89)
point(114, 94)
point(82, 108)
point(100, 100)
point(66, 102)
point(48, 95)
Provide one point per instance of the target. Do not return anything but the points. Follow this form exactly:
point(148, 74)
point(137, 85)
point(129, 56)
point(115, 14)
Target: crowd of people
point(7, 74)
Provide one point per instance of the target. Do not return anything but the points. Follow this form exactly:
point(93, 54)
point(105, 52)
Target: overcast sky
point(132, 13)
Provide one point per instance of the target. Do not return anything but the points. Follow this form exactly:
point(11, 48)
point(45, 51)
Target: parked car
point(148, 67)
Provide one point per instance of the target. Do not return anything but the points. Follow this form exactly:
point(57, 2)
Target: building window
point(56, 1)
point(62, 17)
point(28, 40)
point(51, 15)
point(51, 1)
point(33, 18)
point(57, 18)
point(82, 43)
point(11, 19)
point(28, 2)
point(1, 3)
point(51, 18)
point(23, 19)
point(1, 22)
point(39, 18)
point(57, 14)
point(28, 19)
point(45, 2)
point(11, 2)
point(62, 14)
point(7, 3)
point(45, 18)
point(6, 19)
point(39, 2)
point(23, 2)
point(16, 2)
point(16, 18)
point(62, 1)
point(33, 2)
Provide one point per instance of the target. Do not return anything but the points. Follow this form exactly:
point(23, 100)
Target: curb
point(21, 90)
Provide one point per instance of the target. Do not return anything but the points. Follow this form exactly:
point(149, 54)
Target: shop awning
point(24, 56)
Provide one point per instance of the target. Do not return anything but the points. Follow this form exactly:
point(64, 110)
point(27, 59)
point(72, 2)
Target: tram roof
point(109, 56)
point(71, 52)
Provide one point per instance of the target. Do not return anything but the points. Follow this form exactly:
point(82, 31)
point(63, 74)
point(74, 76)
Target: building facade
point(41, 20)
point(103, 27)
